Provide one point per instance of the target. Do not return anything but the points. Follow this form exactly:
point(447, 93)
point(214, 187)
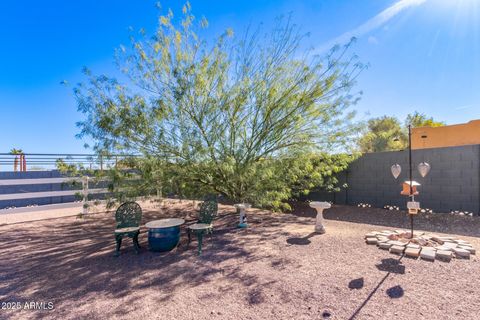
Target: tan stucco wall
point(446, 136)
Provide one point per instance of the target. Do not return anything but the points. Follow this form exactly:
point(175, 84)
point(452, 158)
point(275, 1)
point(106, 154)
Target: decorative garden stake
point(85, 194)
point(320, 206)
point(241, 208)
point(409, 187)
point(396, 170)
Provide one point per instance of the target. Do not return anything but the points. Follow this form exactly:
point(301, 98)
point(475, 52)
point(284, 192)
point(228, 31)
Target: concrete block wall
point(452, 184)
point(33, 188)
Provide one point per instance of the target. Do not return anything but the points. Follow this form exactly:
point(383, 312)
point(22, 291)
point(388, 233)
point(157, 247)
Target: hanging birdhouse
point(406, 188)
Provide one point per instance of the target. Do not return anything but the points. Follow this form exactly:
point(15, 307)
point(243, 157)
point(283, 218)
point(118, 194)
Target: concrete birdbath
point(320, 206)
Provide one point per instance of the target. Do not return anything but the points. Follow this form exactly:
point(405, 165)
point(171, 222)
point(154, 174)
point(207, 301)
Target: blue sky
point(424, 55)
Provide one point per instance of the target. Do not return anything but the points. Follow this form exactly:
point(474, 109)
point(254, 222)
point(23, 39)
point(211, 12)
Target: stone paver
point(384, 245)
point(437, 239)
point(397, 243)
point(413, 245)
point(397, 249)
point(412, 252)
point(383, 239)
point(427, 254)
point(444, 255)
point(426, 246)
point(469, 248)
point(461, 253)
point(450, 244)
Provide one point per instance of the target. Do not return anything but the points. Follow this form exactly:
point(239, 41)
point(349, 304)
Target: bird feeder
point(413, 207)
point(406, 188)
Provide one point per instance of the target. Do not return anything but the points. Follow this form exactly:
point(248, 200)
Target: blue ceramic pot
point(163, 239)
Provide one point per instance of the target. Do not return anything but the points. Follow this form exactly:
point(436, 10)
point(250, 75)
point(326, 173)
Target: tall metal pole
point(412, 196)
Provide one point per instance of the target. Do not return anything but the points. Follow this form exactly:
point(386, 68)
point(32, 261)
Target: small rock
point(371, 240)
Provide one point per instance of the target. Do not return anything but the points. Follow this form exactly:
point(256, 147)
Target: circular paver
point(426, 246)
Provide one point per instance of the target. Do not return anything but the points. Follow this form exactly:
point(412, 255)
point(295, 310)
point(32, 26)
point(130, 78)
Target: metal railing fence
point(48, 161)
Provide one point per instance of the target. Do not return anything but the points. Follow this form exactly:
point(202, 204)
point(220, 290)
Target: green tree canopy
point(383, 134)
point(16, 151)
point(418, 119)
point(222, 111)
point(387, 133)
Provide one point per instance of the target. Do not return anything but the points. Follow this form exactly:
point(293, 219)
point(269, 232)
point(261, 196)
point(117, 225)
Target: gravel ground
point(275, 269)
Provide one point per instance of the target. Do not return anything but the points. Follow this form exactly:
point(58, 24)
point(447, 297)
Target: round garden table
point(164, 234)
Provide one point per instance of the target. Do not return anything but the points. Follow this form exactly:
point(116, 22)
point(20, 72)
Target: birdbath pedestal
point(241, 207)
point(320, 206)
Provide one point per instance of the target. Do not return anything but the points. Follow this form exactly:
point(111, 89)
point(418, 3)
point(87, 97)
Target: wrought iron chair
point(204, 225)
point(128, 217)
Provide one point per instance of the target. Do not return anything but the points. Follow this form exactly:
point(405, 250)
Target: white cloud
point(371, 24)
point(464, 107)
point(372, 40)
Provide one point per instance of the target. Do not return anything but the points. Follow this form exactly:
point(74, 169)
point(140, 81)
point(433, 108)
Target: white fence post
point(85, 194)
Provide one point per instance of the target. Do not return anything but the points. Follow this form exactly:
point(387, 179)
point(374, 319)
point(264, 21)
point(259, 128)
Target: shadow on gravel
point(303, 241)
point(395, 292)
point(69, 259)
point(390, 266)
point(356, 284)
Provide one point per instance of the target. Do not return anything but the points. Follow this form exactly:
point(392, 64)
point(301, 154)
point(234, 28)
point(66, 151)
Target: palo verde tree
point(224, 111)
